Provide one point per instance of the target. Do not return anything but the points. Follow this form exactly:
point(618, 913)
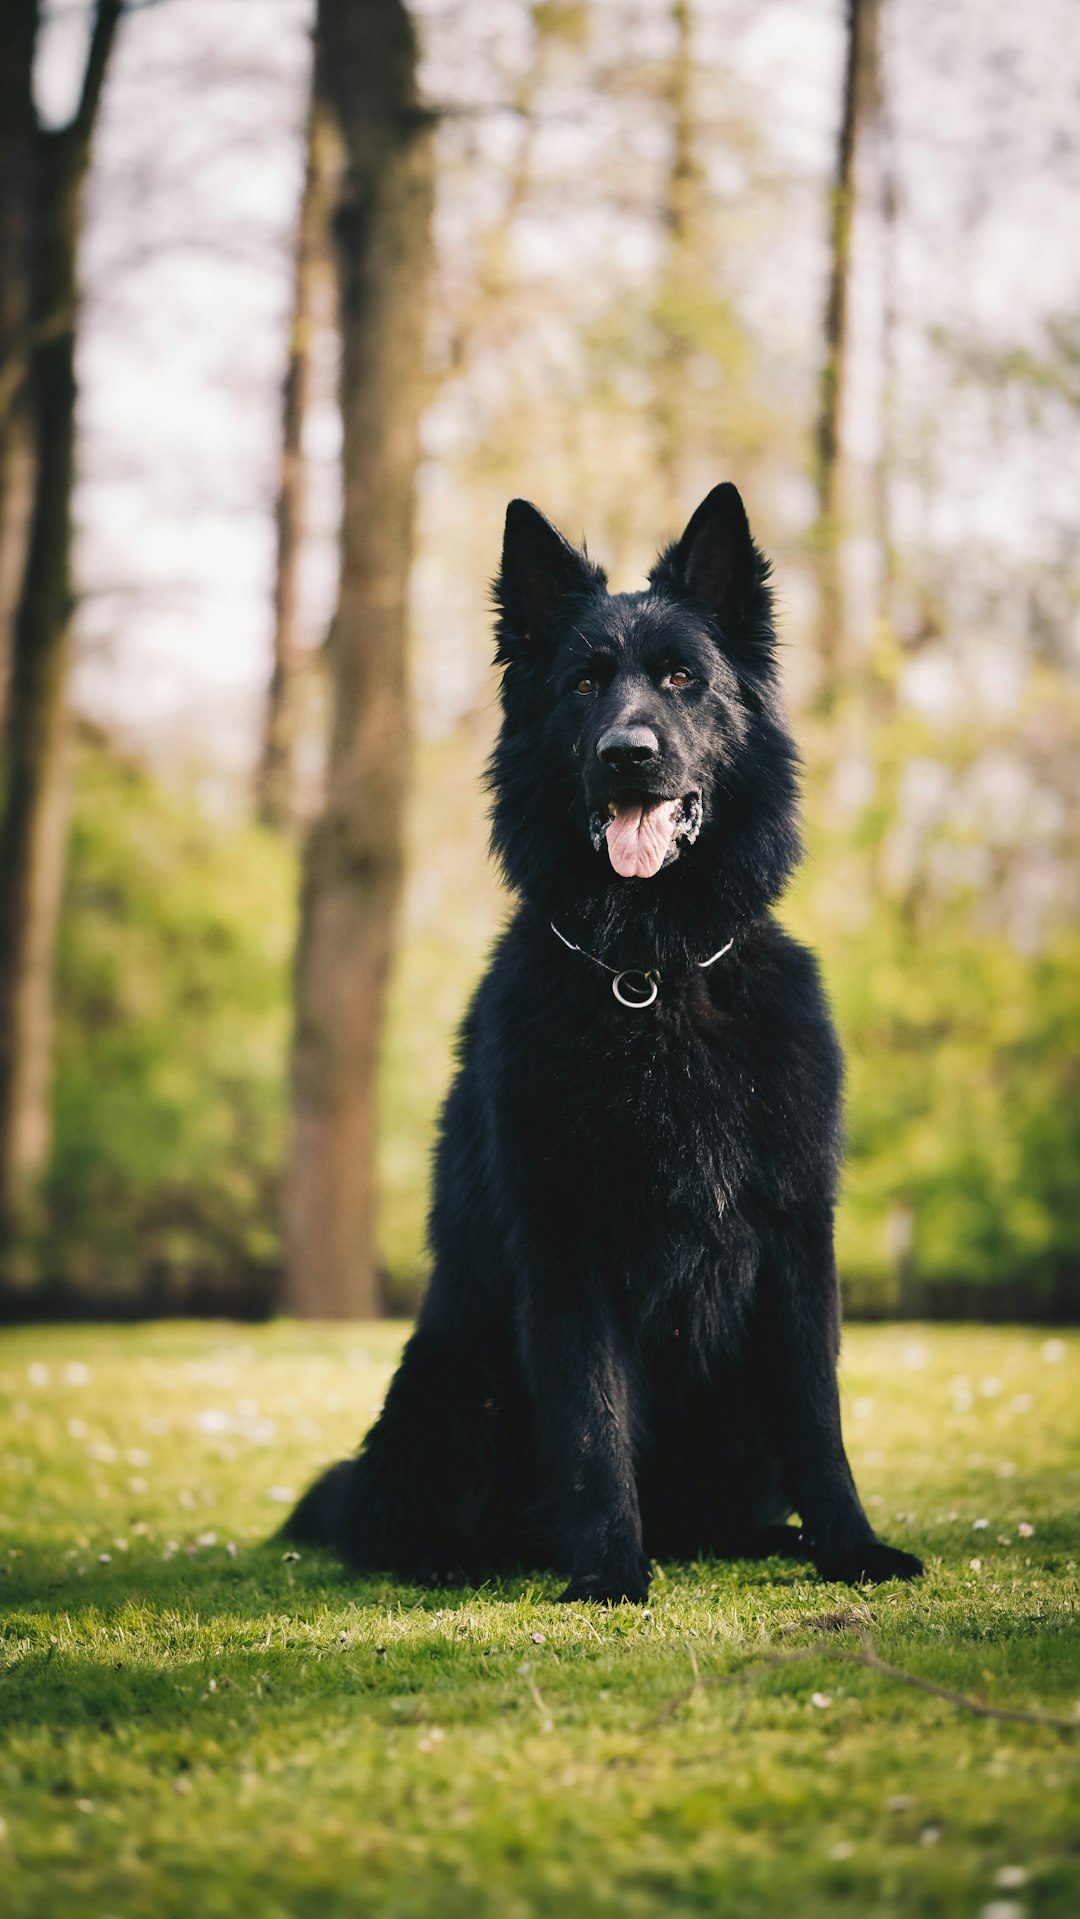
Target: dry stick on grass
point(546, 1721)
point(582, 1621)
point(869, 1659)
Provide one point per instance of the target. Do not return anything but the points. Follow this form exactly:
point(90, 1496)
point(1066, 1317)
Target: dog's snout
point(626, 749)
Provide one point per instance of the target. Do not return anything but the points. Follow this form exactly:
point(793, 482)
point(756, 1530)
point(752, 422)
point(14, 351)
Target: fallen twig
point(869, 1659)
point(582, 1621)
point(683, 1698)
point(546, 1721)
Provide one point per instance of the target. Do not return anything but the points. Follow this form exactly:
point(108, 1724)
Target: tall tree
point(18, 32)
point(676, 347)
point(277, 766)
point(365, 96)
point(40, 221)
point(858, 112)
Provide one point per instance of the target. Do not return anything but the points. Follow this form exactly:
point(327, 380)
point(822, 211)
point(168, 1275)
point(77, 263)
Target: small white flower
point(37, 1374)
point(821, 1700)
point(1011, 1878)
point(990, 1386)
point(976, 1565)
point(929, 1835)
point(281, 1495)
point(1025, 1530)
point(1002, 1909)
point(1053, 1351)
point(1006, 1470)
point(979, 1525)
point(213, 1420)
point(105, 1559)
point(76, 1374)
point(843, 1849)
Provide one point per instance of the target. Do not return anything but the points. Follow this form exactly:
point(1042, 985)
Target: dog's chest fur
point(654, 1138)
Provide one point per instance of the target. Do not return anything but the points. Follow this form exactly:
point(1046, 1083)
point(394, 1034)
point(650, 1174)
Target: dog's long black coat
point(628, 1347)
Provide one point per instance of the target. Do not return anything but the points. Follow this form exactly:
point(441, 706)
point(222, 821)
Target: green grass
point(194, 1724)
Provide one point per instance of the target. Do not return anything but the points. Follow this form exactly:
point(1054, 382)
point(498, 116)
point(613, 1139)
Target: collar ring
point(635, 988)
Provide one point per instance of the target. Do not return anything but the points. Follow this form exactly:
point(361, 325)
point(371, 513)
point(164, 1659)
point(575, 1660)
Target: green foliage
point(963, 1051)
point(194, 1721)
point(960, 1196)
point(172, 1029)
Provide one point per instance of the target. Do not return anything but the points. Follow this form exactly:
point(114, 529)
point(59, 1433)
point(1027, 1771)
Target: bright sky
point(186, 267)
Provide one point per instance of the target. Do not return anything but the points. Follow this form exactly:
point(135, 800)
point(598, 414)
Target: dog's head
point(643, 749)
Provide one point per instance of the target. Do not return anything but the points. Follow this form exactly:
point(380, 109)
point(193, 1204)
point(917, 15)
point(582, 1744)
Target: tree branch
point(869, 1659)
point(106, 20)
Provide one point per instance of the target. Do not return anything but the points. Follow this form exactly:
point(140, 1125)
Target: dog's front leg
point(580, 1386)
point(803, 1339)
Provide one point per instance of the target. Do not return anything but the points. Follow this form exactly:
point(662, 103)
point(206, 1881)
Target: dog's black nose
point(628, 748)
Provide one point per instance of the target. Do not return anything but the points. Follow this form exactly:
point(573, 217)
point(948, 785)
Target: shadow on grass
point(268, 1580)
point(231, 1641)
point(204, 1645)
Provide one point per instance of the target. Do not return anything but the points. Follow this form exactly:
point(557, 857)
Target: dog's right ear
point(539, 570)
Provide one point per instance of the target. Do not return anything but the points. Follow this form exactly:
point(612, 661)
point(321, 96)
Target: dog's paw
point(870, 1562)
point(608, 1588)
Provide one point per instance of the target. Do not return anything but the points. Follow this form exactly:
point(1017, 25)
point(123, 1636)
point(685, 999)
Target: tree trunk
point(18, 152)
point(671, 370)
point(365, 92)
point(858, 110)
point(889, 212)
point(276, 783)
point(32, 833)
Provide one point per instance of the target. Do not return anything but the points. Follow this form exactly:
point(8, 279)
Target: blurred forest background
point(825, 250)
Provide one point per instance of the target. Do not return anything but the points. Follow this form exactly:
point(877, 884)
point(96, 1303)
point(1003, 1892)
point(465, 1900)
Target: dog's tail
point(318, 1518)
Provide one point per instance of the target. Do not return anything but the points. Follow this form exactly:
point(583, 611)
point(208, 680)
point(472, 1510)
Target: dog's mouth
point(643, 833)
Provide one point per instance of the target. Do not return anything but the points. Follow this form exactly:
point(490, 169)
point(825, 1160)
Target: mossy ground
point(195, 1724)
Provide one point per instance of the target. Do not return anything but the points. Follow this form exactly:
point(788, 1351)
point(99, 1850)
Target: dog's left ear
point(717, 563)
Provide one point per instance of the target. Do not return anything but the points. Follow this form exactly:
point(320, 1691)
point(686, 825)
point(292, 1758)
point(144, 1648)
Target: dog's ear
point(717, 564)
point(539, 570)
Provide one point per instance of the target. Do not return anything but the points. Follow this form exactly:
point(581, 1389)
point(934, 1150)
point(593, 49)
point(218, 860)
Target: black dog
point(629, 1343)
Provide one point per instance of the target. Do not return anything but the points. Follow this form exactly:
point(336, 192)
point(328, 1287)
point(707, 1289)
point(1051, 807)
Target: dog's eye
point(679, 676)
point(585, 685)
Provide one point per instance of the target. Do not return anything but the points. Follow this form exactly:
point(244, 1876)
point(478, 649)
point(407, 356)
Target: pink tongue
point(639, 837)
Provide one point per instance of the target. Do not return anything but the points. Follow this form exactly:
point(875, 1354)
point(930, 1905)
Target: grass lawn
point(193, 1723)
